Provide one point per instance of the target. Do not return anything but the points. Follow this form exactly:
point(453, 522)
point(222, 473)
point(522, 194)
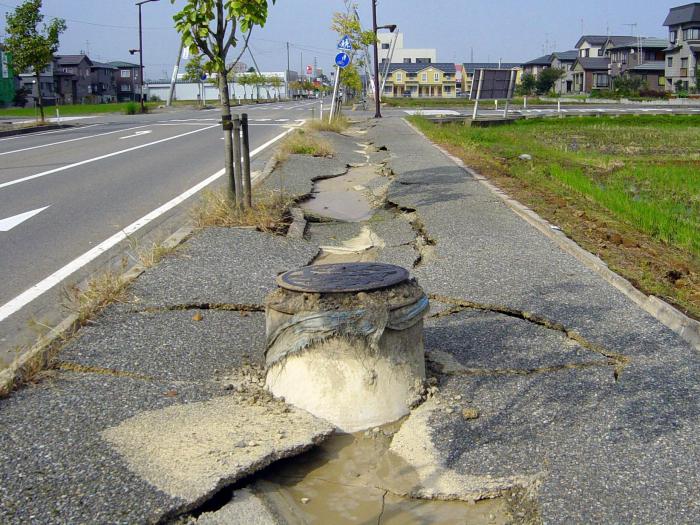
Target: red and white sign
point(309, 70)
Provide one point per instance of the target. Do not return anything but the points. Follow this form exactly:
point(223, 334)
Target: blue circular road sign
point(203, 77)
point(342, 59)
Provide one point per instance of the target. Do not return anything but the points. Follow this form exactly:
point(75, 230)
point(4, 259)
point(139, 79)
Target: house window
point(601, 80)
point(423, 61)
point(448, 89)
point(684, 63)
point(399, 77)
point(406, 60)
point(125, 73)
point(388, 89)
point(670, 61)
point(386, 46)
point(436, 77)
point(424, 77)
point(600, 52)
point(125, 87)
point(691, 34)
point(673, 36)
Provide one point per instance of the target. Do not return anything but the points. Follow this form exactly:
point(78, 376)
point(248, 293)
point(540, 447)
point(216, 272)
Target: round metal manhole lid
point(343, 277)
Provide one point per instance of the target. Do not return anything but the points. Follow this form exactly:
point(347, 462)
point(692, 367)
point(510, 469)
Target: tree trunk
point(39, 100)
point(228, 136)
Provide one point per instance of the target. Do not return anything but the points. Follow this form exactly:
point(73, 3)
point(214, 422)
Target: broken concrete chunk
point(190, 451)
point(245, 509)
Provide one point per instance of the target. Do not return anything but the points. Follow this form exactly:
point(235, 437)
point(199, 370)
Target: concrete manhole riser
point(355, 359)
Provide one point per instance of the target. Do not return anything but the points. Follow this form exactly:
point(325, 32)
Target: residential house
point(591, 74)
point(536, 66)
point(128, 80)
point(564, 60)
point(103, 83)
point(436, 80)
point(7, 78)
point(469, 68)
point(639, 57)
point(592, 46)
point(681, 70)
point(73, 78)
point(391, 49)
point(46, 85)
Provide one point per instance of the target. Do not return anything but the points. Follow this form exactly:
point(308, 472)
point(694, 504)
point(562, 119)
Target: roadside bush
point(650, 93)
point(602, 93)
point(131, 108)
point(628, 86)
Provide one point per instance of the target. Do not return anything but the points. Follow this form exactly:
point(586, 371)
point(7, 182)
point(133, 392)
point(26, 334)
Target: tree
point(213, 27)
point(348, 23)
point(32, 48)
point(276, 83)
point(628, 85)
point(195, 69)
point(547, 79)
point(528, 84)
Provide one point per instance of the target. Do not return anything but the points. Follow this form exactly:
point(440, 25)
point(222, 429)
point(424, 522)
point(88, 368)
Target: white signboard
point(5, 65)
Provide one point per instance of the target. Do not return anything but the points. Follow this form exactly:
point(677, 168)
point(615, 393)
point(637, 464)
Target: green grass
point(460, 102)
point(644, 170)
point(71, 110)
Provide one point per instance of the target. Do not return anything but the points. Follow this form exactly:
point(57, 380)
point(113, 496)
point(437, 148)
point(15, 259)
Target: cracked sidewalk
point(586, 406)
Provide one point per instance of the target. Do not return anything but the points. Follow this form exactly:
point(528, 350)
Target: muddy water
point(340, 483)
point(343, 198)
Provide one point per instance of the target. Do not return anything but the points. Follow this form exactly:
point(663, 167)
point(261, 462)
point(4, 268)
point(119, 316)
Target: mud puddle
point(340, 482)
point(343, 198)
point(363, 248)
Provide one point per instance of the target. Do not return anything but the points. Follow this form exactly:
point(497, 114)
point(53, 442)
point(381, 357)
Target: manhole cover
point(350, 277)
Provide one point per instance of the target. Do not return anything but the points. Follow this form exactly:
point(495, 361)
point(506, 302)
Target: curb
point(36, 129)
point(688, 329)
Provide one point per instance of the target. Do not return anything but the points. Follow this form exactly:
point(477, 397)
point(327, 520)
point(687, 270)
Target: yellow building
point(421, 81)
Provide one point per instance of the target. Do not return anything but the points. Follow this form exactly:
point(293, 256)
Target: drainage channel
point(340, 482)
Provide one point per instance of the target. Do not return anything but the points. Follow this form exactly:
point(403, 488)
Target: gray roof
point(470, 67)
point(683, 14)
point(445, 67)
point(594, 63)
point(121, 64)
point(566, 56)
point(102, 65)
point(657, 65)
point(632, 41)
point(71, 60)
point(595, 40)
point(540, 61)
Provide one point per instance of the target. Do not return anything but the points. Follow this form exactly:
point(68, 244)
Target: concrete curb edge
point(688, 329)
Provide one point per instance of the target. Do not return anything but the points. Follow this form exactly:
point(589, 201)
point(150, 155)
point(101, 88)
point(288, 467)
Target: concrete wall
point(191, 91)
point(400, 52)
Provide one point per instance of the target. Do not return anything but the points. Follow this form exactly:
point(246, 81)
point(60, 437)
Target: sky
point(511, 30)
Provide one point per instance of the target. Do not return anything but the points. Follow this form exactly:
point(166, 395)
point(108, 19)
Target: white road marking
point(55, 278)
point(54, 119)
point(71, 140)
point(283, 120)
point(29, 135)
point(137, 134)
point(7, 224)
point(101, 157)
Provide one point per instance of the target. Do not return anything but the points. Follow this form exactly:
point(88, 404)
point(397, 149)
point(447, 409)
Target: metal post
point(377, 96)
point(286, 75)
point(321, 113)
point(237, 168)
point(559, 107)
point(525, 102)
point(478, 94)
point(143, 108)
point(511, 89)
point(335, 93)
point(496, 101)
point(245, 145)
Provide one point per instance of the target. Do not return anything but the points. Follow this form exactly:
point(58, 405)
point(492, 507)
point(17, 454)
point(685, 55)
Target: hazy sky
point(514, 30)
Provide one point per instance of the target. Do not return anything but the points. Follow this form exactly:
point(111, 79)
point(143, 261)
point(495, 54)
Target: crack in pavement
point(67, 366)
point(618, 361)
point(222, 307)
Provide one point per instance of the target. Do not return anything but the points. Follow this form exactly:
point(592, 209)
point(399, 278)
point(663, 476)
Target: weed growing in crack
point(100, 291)
point(337, 125)
point(270, 212)
point(304, 142)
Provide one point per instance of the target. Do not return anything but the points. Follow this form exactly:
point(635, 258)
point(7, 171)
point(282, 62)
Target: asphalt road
point(68, 196)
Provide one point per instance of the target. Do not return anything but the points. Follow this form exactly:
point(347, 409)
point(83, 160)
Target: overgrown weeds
point(304, 142)
point(270, 211)
point(100, 291)
point(337, 125)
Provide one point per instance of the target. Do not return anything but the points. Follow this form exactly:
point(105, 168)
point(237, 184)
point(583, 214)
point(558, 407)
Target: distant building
point(391, 49)
point(103, 82)
point(435, 80)
point(591, 74)
point(681, 68)
point(72, 76)
point(7, 78)
point(564, 60)
point(536, 66)
point(128, 80)
point(638, 57)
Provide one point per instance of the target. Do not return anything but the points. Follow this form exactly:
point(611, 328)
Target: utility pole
point(143, 108)
point(286, 75)
point(173, 80)
point(377, 101)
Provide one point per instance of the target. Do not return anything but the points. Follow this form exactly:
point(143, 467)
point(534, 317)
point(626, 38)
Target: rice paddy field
point(626, 188)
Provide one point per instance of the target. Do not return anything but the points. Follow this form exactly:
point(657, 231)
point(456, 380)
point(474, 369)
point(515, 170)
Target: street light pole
point(143, 108)
point(377, 104)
